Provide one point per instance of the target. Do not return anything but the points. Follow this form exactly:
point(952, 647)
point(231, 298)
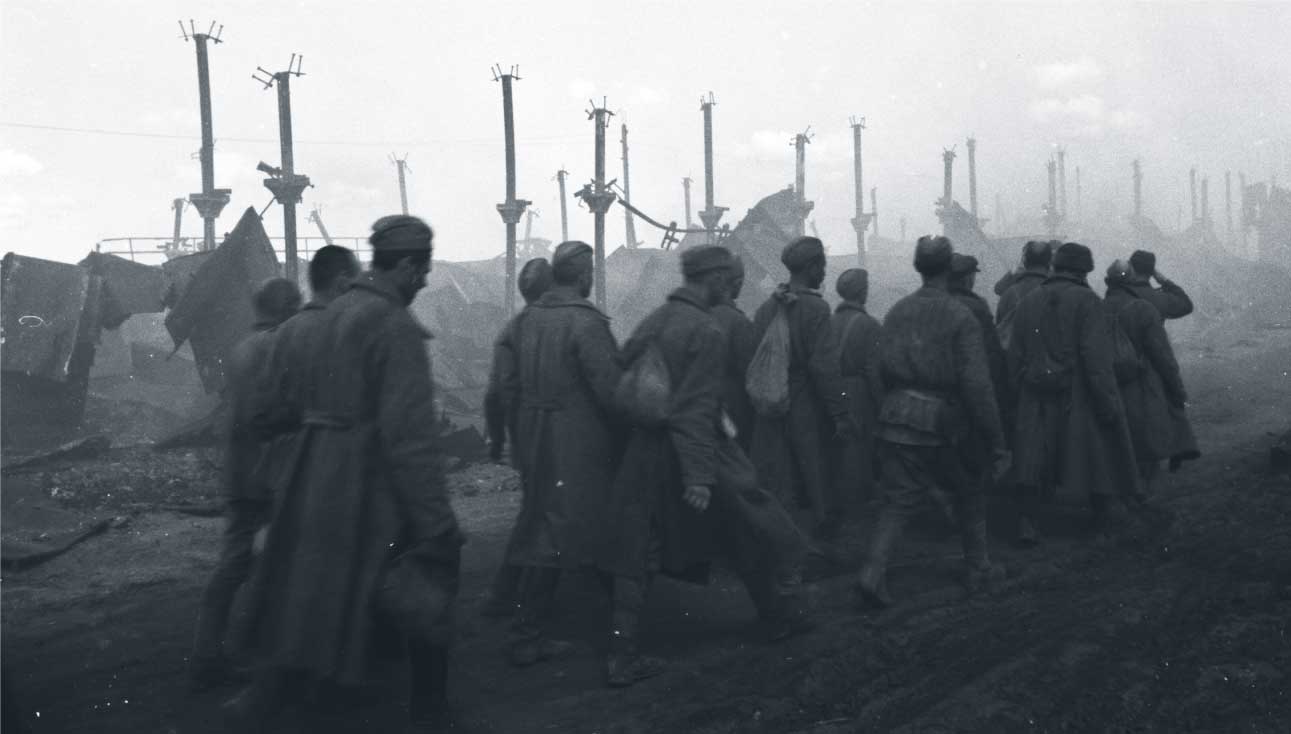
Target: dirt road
point(1181, 626)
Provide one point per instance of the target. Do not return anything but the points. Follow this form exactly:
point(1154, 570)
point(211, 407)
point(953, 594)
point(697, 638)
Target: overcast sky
point(1174, 84)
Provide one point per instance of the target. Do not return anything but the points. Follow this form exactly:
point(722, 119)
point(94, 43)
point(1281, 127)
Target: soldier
point(741, 342)
point(791, 453)
point(564, 379)
point(685, 490)
point(246, 484)
point(938, 393)
point(500, 418)
point(1169, 299)
point(963, 277)
point(858, 334)
point(1013, 287)
point(1154, 393)
point(1071, 428)
point(363, 537)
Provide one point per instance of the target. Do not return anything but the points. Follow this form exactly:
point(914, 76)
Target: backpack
point(767, 380)
point(1051, 371)
point(1125, 358)
point(644, 392)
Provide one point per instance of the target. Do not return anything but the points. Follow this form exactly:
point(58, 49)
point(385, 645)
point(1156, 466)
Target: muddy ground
point(1180, 625)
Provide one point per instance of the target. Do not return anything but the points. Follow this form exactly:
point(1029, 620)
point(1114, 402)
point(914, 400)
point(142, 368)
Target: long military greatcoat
point(246, 475)
point(564, 378)
point(363, 483)
point(1078, 439)
point(659, 463)
point(741, 343)
point(791, 453)
point(858, 335)
point(1154, 402)
point(500, 397)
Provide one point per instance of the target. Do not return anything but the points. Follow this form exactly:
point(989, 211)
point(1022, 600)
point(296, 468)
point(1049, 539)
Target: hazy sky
point(1175, 84)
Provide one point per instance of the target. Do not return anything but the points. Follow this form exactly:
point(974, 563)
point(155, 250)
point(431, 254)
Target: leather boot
point(624, 664)
point(872, 584)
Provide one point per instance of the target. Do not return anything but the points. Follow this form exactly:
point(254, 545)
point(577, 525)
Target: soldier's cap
point(932, 254)
point(566, 251)
point(853, 284)
point(1144, 262)
point(1119, 272)
point(1075, 257)
point(535, 278)
point(276, 299)
point(400, 232)
point(963, 264)
point(704, 259)
point(1037, 253)
point(802, 252)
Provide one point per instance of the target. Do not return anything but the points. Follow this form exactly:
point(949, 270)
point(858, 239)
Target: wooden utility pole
point(598, 198)
point(711, 213)
point(874, 208)
point(285, 184)
point(799, 144)
point(1192, 190)
point(1052, 216)
point(1062, 182)
point(972, 177)
point(210, 201)
point(861, 221)
point(685, 185)
point(1138, 192)
point(630, 231)
point(564, 212)
point(511, 209)
point(402, 165)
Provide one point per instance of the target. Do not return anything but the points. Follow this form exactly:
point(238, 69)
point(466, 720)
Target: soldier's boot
point(625, 665)
point(872, 584)
point(528, 645)
point(980, 574)
point(254, 708)
point(1028, 504)
point(783, 605)
point(504, 594)
point(428, 708)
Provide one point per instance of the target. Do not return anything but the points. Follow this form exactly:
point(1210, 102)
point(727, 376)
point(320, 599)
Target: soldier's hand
point(698, 496)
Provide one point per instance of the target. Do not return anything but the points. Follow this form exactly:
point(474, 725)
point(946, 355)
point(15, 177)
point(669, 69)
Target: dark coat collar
point(560, 297)
point(1067, 278)
point(850, 306)
point(687, 296)
point(369, 282)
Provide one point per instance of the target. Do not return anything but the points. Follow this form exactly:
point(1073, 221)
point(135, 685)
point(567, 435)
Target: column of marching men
point(634, 460)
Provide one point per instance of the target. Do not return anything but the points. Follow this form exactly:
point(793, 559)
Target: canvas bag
point(644, 392)
point(1125, 358)
point(767, 379)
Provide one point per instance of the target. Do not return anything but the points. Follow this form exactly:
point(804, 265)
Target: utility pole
point(685, 185)
point(210, 202)
point(874, 208)
point(862, 220)
point(630, 233)
point(972, 177)
point(598, 198)
point(529, 216)
point(1138, 193)
point(1228, 204)
point(1077, 193)
point(285, 184)
point(1205, 203)
point(799, 144)
point(402, 165)
point(178, 206)
point(564, 213)
point(1192, 189)
point(316, 216)
point(1062, 182)
point(1051, 216)
point(999, 214)
point(512, 208)
point(712, 213)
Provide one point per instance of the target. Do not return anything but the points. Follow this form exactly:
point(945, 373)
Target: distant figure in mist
point(246, 481)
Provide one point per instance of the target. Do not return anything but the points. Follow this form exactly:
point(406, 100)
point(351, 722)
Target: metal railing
point(157, 250)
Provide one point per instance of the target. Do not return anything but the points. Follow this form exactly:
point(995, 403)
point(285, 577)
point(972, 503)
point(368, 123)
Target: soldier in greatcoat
point(685, 491)
point(363, 538)
point(857, 334)
point(1071, 429)
point(566, 369)
point(792, 453)
point(1155, 393)
point(938, 411)
point(246, 481)
point(500, 411)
